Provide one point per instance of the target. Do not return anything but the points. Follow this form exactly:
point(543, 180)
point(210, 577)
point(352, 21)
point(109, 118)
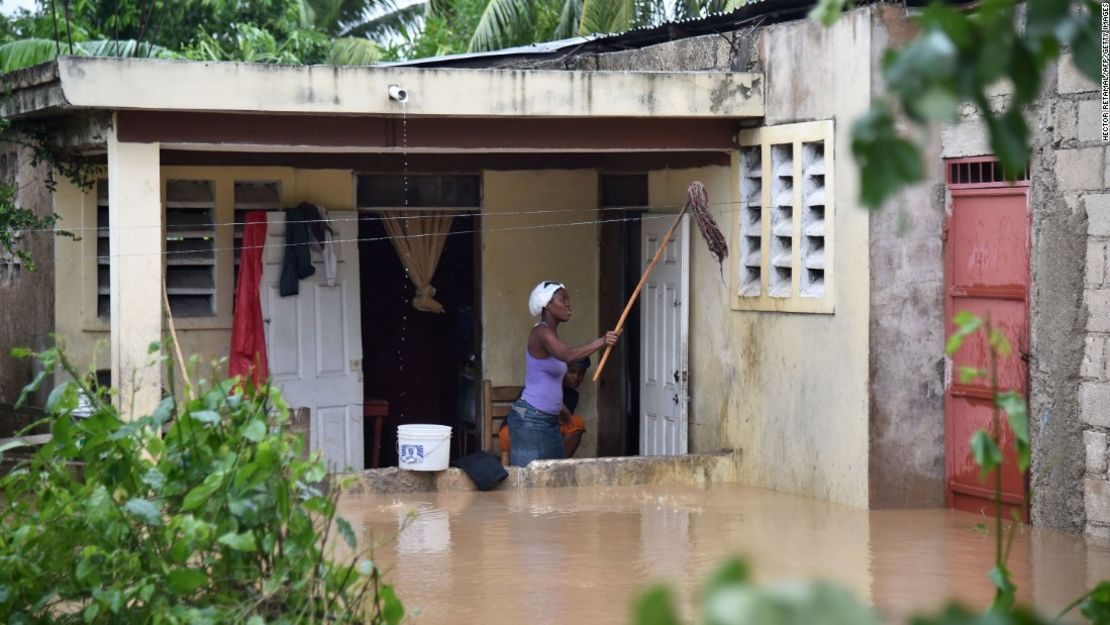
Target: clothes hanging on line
point(303, 224)
point(248, 337)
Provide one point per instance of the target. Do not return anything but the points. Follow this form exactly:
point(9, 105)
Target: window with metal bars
point(982, 172)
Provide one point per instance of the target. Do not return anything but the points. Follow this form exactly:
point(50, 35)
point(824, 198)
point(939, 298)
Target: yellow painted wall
point(75, 318)
point(514, 261)
point(788, 390)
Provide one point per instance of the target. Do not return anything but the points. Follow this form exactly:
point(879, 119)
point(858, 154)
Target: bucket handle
point(426, 453)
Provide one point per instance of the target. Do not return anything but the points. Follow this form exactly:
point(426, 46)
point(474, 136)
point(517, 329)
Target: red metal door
point(987, 245)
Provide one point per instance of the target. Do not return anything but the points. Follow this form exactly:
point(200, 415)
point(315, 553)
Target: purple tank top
point(543, 382)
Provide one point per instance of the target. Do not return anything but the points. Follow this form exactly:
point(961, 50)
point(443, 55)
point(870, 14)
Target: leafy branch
point(965, 56)
point(207, 510)
point(15, 220)
point(986, 446)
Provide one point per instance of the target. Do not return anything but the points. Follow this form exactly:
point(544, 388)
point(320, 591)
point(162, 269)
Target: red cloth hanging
point(248, 338)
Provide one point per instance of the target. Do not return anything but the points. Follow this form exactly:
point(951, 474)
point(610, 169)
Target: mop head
point(698, 203)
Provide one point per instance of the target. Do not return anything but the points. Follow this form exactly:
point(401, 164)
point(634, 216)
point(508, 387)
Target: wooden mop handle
point(636, 293)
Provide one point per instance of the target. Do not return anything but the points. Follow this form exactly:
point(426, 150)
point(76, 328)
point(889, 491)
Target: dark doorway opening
point(412, 359)
point(623, 200)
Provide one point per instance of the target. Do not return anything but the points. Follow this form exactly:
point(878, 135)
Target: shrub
point(205, 511)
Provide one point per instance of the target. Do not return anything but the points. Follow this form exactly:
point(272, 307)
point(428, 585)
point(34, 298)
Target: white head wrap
point(541, 296)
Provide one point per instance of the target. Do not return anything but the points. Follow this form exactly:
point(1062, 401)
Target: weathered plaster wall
point(756, 378)
point(26, 297)
point(789, 390)
point(514, 261)
point(907, 323)
point(86, 335)
point(798, 405)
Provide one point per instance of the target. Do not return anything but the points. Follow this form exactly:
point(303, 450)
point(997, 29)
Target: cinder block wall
point(1083, 173)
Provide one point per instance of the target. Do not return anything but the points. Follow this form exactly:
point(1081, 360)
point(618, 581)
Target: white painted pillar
point(135, 213)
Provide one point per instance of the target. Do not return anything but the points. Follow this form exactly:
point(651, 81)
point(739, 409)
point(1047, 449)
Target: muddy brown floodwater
point(580, 555)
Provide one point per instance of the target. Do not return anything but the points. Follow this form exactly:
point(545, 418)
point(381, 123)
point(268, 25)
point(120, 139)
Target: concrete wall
point(802, 415)
point(1057, 315)
point(907, 323)
point(1084, 182)
point(789, 390)
point(26, 297)
point(86, 336)
point(515, 260)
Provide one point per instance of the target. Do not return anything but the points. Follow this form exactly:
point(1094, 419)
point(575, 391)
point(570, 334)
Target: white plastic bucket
point(423, 447)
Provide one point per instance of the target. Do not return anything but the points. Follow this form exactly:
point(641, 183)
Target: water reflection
point(579, 555)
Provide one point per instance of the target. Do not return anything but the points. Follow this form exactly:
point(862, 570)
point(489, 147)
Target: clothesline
point(364, 216)
point(389, 238)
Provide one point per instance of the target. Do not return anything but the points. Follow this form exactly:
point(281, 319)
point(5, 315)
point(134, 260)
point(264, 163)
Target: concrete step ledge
point(720, 467)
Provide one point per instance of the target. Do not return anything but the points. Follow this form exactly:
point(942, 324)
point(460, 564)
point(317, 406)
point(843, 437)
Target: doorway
point(623, 201)
point(413, 359)
point(987, 261)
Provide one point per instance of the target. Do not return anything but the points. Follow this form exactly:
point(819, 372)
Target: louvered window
point(191, 247)
point(103, 250)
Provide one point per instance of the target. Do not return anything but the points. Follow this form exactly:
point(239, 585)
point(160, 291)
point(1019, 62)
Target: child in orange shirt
point(571, 426)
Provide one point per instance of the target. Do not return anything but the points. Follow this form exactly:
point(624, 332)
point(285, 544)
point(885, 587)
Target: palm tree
point(27, 52)
point(505, 22)
point(373, 19)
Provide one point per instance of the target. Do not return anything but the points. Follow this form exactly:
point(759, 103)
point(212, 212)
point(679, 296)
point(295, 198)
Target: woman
point(534, 420)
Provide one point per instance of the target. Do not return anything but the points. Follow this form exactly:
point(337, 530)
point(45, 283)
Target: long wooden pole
point(636, 293)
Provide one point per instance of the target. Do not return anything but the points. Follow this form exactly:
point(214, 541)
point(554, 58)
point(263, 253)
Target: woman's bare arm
point(554, 346)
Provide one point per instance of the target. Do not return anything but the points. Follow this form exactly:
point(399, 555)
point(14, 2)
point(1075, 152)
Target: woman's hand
point(610, 339)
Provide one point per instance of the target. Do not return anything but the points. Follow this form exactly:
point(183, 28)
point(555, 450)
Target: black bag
point(483, 468)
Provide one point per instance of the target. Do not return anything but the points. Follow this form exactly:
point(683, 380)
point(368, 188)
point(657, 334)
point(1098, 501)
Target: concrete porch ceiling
point(116, 84)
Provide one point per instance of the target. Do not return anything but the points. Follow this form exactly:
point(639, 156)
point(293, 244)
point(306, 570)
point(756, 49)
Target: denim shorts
point(534, 434)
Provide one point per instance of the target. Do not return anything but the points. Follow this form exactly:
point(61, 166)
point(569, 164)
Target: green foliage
point(963, 56)
point(253, 44)
point(205, 511)
point(985, 451)
point(14, 221)
point(608, 16)
point(267, 31)
point(731, 598)
point(27, 52)
point(985, 446)
point(1096, 605)
point(966, 325)
point(1017, 414)
point(735, 600)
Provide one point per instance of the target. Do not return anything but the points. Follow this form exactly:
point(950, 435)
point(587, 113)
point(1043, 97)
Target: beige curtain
point(419, 239)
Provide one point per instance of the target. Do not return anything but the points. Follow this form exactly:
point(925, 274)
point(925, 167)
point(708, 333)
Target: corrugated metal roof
point(532, 49)
point(636, 37)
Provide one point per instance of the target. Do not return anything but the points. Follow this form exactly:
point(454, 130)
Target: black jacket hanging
point(297, 264)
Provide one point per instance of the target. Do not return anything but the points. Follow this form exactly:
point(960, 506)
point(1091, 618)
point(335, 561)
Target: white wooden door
point(314, 342)
point(663, 340)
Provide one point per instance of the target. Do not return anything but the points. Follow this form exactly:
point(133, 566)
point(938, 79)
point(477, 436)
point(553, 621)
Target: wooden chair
point(496, 403)
point(378, 409)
